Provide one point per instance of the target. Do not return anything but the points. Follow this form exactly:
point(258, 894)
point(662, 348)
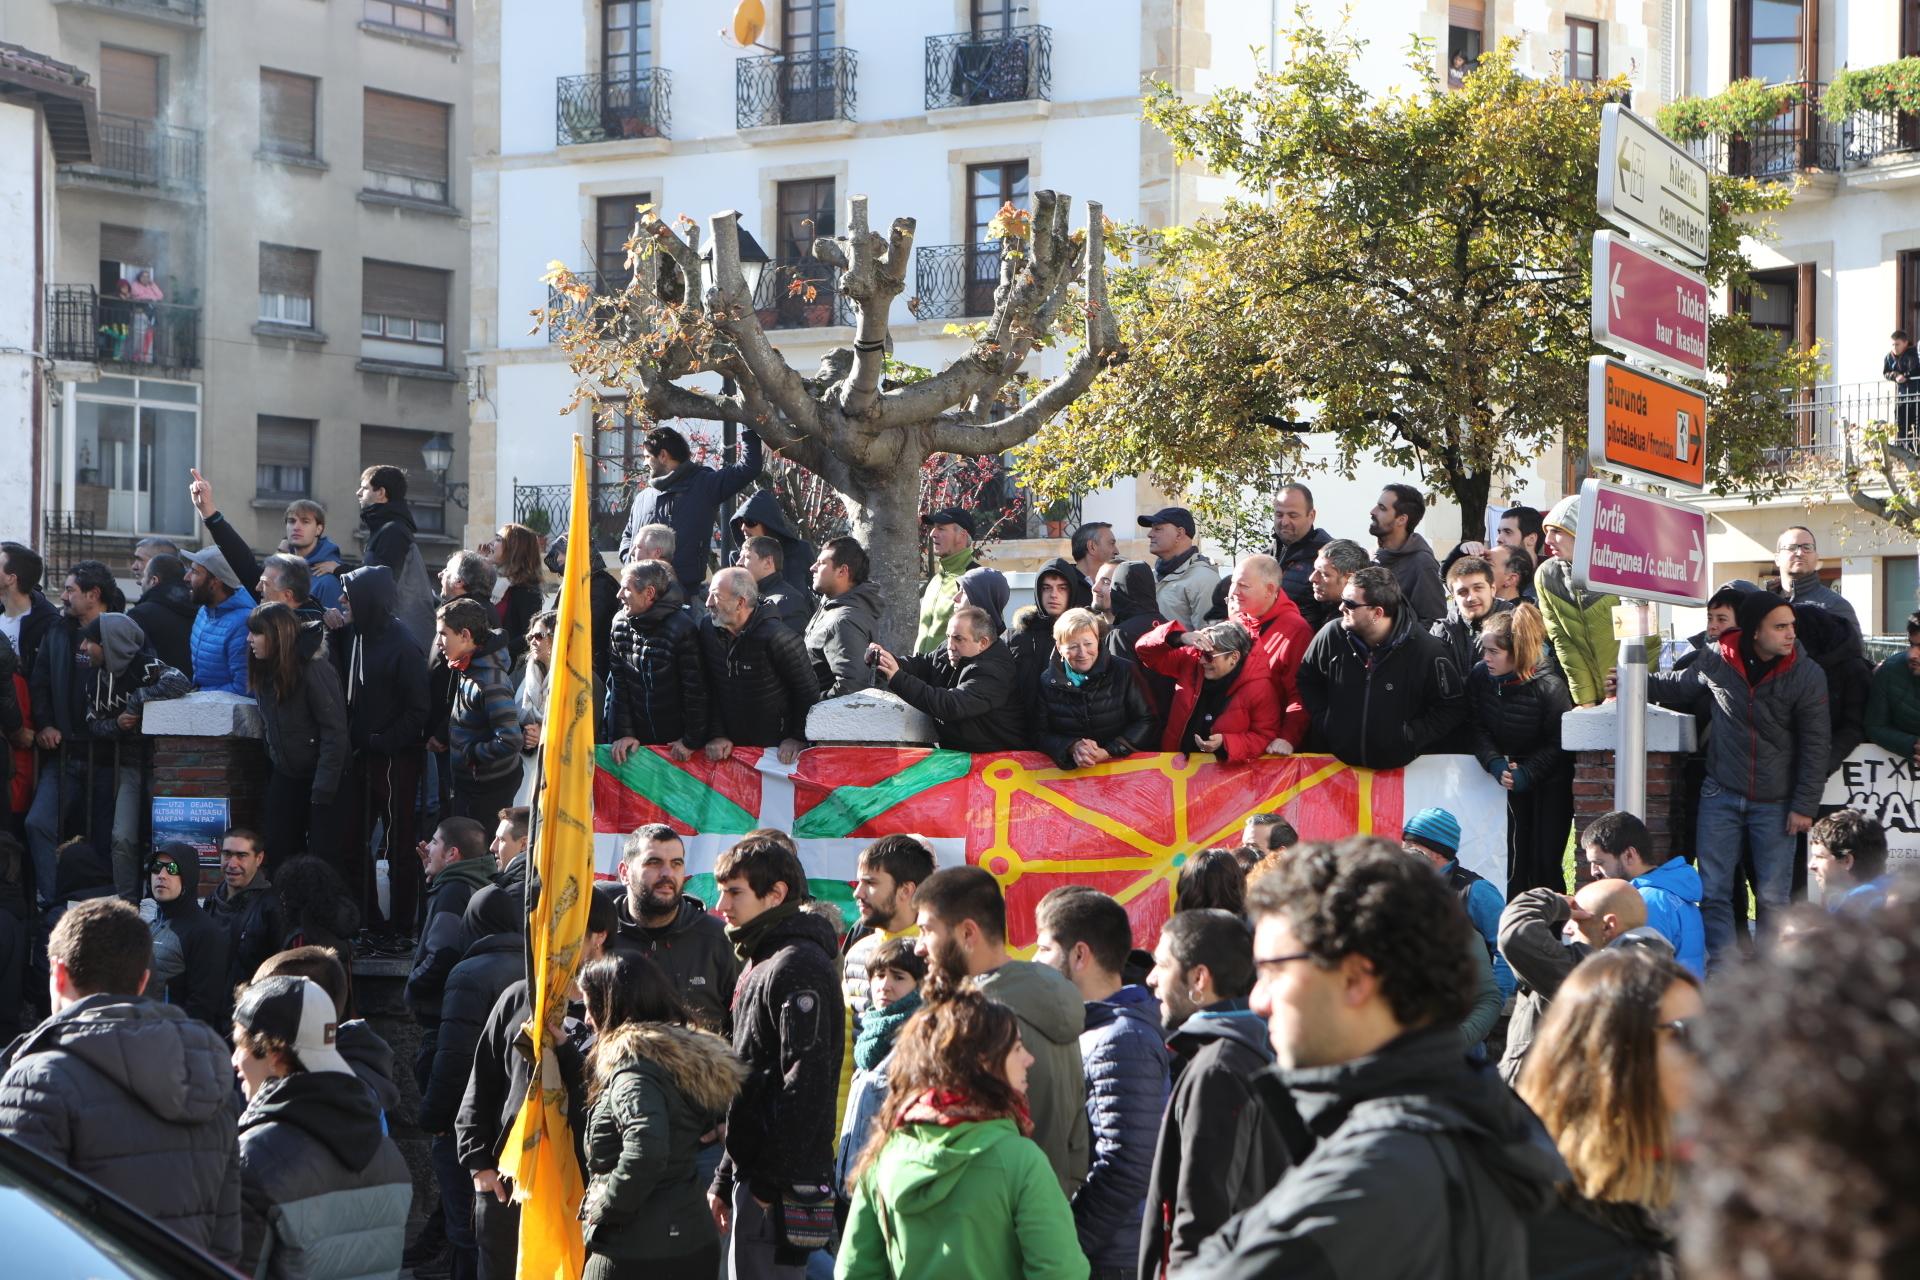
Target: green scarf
point(747, 938)
point(878, 1027)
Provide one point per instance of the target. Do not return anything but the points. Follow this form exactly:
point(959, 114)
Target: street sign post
point(1634, 544)
point(1643, 305)
point(1651, 187)
point(1645, 425)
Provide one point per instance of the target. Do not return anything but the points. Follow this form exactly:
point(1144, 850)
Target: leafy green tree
point(1406, 273)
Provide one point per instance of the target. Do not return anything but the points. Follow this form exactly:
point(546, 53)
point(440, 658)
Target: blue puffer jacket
point(1125, 1054)
point(1672, 894)
point(220, 644)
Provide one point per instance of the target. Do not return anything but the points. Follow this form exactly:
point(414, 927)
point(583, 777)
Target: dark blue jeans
point(456, 1198)
point(1730, 823)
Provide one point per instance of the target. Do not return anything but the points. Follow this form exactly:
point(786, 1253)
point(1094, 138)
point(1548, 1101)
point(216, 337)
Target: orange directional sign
point(1647, 425)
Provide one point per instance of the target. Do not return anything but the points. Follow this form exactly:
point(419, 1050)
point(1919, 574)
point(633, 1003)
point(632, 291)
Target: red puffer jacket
point(1249, 720)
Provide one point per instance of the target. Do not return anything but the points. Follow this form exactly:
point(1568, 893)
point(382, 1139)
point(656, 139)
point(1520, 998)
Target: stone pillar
point(209, 745)
point(1592, 735)
point(870, 718)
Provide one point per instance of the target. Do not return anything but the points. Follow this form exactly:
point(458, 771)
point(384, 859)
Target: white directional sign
point(1648, 186)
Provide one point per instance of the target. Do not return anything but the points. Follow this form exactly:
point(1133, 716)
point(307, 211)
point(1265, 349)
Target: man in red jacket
point(1280, 637)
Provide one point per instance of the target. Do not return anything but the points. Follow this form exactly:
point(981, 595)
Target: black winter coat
point(253, 922)
point(1030, 644)
point(139, 1097)
point(307, 732)
point(384, 671)
point(687, 500)
point(1110, 707)
point(1519, 720)
point(692, 951)
point(56, 685)
point(443, 938)
point(1296, 572)
point(391, 542)
point(201, 988)
point(788, 1027)
point(657, 688)
point(1832, 643)
point(498, 1086)
point(975, 706)
point(796, 553)
point(1582, 1239)
point(165, 614)
point(1769, 740)
point(1221, 1147)
point(1136, 611)
point(490, 966)
point(15, 930)
point(1381, 708)
point(761, 680)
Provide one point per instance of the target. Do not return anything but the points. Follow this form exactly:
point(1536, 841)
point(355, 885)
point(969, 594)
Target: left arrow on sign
point(1618, 290)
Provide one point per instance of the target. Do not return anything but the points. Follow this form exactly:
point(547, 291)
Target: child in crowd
point(893, 980)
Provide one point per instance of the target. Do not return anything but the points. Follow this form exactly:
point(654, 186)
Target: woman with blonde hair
point(1092, 706)
point(950, 1184)
point(1517, 697)
point(1609, 1070)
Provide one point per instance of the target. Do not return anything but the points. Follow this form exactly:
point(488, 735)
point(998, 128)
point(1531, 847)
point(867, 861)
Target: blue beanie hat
point(1435, 828)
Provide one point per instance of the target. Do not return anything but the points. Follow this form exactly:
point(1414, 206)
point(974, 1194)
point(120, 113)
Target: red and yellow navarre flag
point(539, 1153)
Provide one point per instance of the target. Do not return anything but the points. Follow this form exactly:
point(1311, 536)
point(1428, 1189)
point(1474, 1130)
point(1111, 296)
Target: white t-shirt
point(10, 628)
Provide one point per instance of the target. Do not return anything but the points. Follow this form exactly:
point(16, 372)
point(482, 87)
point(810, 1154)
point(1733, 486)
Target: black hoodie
point(1421, 1164)
point(1030, 639)
point(796, 553)
point(692, 950)
point(1136, 611)
point(1830, 640)
point(495, 959)
point(385, 672)
point(200, 985)
point(166, 615)
point(390, 542)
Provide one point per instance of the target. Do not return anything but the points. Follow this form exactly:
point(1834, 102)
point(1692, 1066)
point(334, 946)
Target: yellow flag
point(539, 1153)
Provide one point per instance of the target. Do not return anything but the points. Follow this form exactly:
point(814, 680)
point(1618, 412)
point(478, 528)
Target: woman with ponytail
point(950, 1184)
point(1517, 701)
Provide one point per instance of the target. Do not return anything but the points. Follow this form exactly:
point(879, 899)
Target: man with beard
point(1296, 545)
point(1406, 553)
point(686, 496)
point(219, 638)
point(657, 919)
point(1220, 1148)
point(891, 872)
point(963, 937)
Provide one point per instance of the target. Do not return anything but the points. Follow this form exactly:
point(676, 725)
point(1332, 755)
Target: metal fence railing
point(1828, 418)
point(67, 538)
point(1802, 139)
point(82, 325)
point(955, 280)
point(968, 70)
point(794, 88)
point(148, 153)
point(604, 108)
point(800, 293)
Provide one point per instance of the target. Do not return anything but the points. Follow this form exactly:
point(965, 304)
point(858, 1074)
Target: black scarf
point(746, 939)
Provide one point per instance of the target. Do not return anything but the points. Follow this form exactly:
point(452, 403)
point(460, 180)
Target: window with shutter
point(398, 447)
point(403, 313)
point(130, 83)
point(288, 112)
point(283, 465)
point(1583, 50)
point(286, 285)
point(1466, 38)
point(405, 146)
point(427, 17)
point(616, 218)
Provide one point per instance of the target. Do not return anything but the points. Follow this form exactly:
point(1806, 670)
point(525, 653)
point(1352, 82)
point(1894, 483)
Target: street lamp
point(753, 265)
point(437, 453)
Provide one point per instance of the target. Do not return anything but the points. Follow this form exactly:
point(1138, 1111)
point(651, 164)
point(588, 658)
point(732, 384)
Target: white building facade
point(940, 110)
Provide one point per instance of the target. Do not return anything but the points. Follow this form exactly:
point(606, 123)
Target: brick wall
point(232, 767)
point(1666, 814)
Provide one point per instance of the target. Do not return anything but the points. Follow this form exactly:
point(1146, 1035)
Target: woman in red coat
point(1221, 704)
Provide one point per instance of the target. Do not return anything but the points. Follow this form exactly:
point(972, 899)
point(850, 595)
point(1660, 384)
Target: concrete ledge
point(203, 715)
point(872, 717)
point(1598, 729)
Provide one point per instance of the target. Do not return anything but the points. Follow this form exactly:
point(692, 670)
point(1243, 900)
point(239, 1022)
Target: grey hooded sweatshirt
point(1052, 1017)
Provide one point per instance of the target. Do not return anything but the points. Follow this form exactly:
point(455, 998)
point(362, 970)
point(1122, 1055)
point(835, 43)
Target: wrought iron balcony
point(968, 70)
point(146, 153)
point(799, 293)
point(955, 280)
point(796, 89)
point(1871, 137)
point(1798, 140)
point(83, 326)
point(564, 307)
point(606, 108)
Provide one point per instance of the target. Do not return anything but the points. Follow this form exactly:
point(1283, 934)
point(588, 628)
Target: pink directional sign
point(1636, 545)
point(1644, 305)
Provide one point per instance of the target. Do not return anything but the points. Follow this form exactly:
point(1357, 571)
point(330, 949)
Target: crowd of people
point(1347, 1058)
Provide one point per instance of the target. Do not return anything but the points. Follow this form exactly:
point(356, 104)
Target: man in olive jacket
point(966, 686)
point(963, 936)
point(136, 1095)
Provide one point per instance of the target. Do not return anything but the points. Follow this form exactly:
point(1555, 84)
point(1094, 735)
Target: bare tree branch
point(873, 272)
point(731, 307)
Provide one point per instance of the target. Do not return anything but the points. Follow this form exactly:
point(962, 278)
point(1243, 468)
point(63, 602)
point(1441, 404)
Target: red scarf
point(945, 1108)
point(461, 664)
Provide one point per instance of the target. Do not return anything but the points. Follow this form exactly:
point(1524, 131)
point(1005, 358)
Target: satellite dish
point(749, 20)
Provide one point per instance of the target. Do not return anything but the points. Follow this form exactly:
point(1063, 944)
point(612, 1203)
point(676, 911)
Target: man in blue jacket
point(686, 496)
point(1618, 846)
point(1086, 936)
point(220, 628)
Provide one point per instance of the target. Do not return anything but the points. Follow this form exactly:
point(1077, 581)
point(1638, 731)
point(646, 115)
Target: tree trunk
point(886, 521)
point(1471, 492)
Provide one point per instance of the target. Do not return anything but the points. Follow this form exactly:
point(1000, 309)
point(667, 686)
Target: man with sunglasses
point(1380, 689)
point(1410, 1160)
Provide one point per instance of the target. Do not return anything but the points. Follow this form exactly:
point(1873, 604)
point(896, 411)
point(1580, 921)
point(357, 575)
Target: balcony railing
point(1827, 418)
point(1875, 136)
point(968, 70)
point(955, 280)
point(564, 307)
point(799, 293)
point(147, 153)
point(1802, 140)
point(547, 509)
point(796, 89)
point(605, 108)
point(81, 325)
